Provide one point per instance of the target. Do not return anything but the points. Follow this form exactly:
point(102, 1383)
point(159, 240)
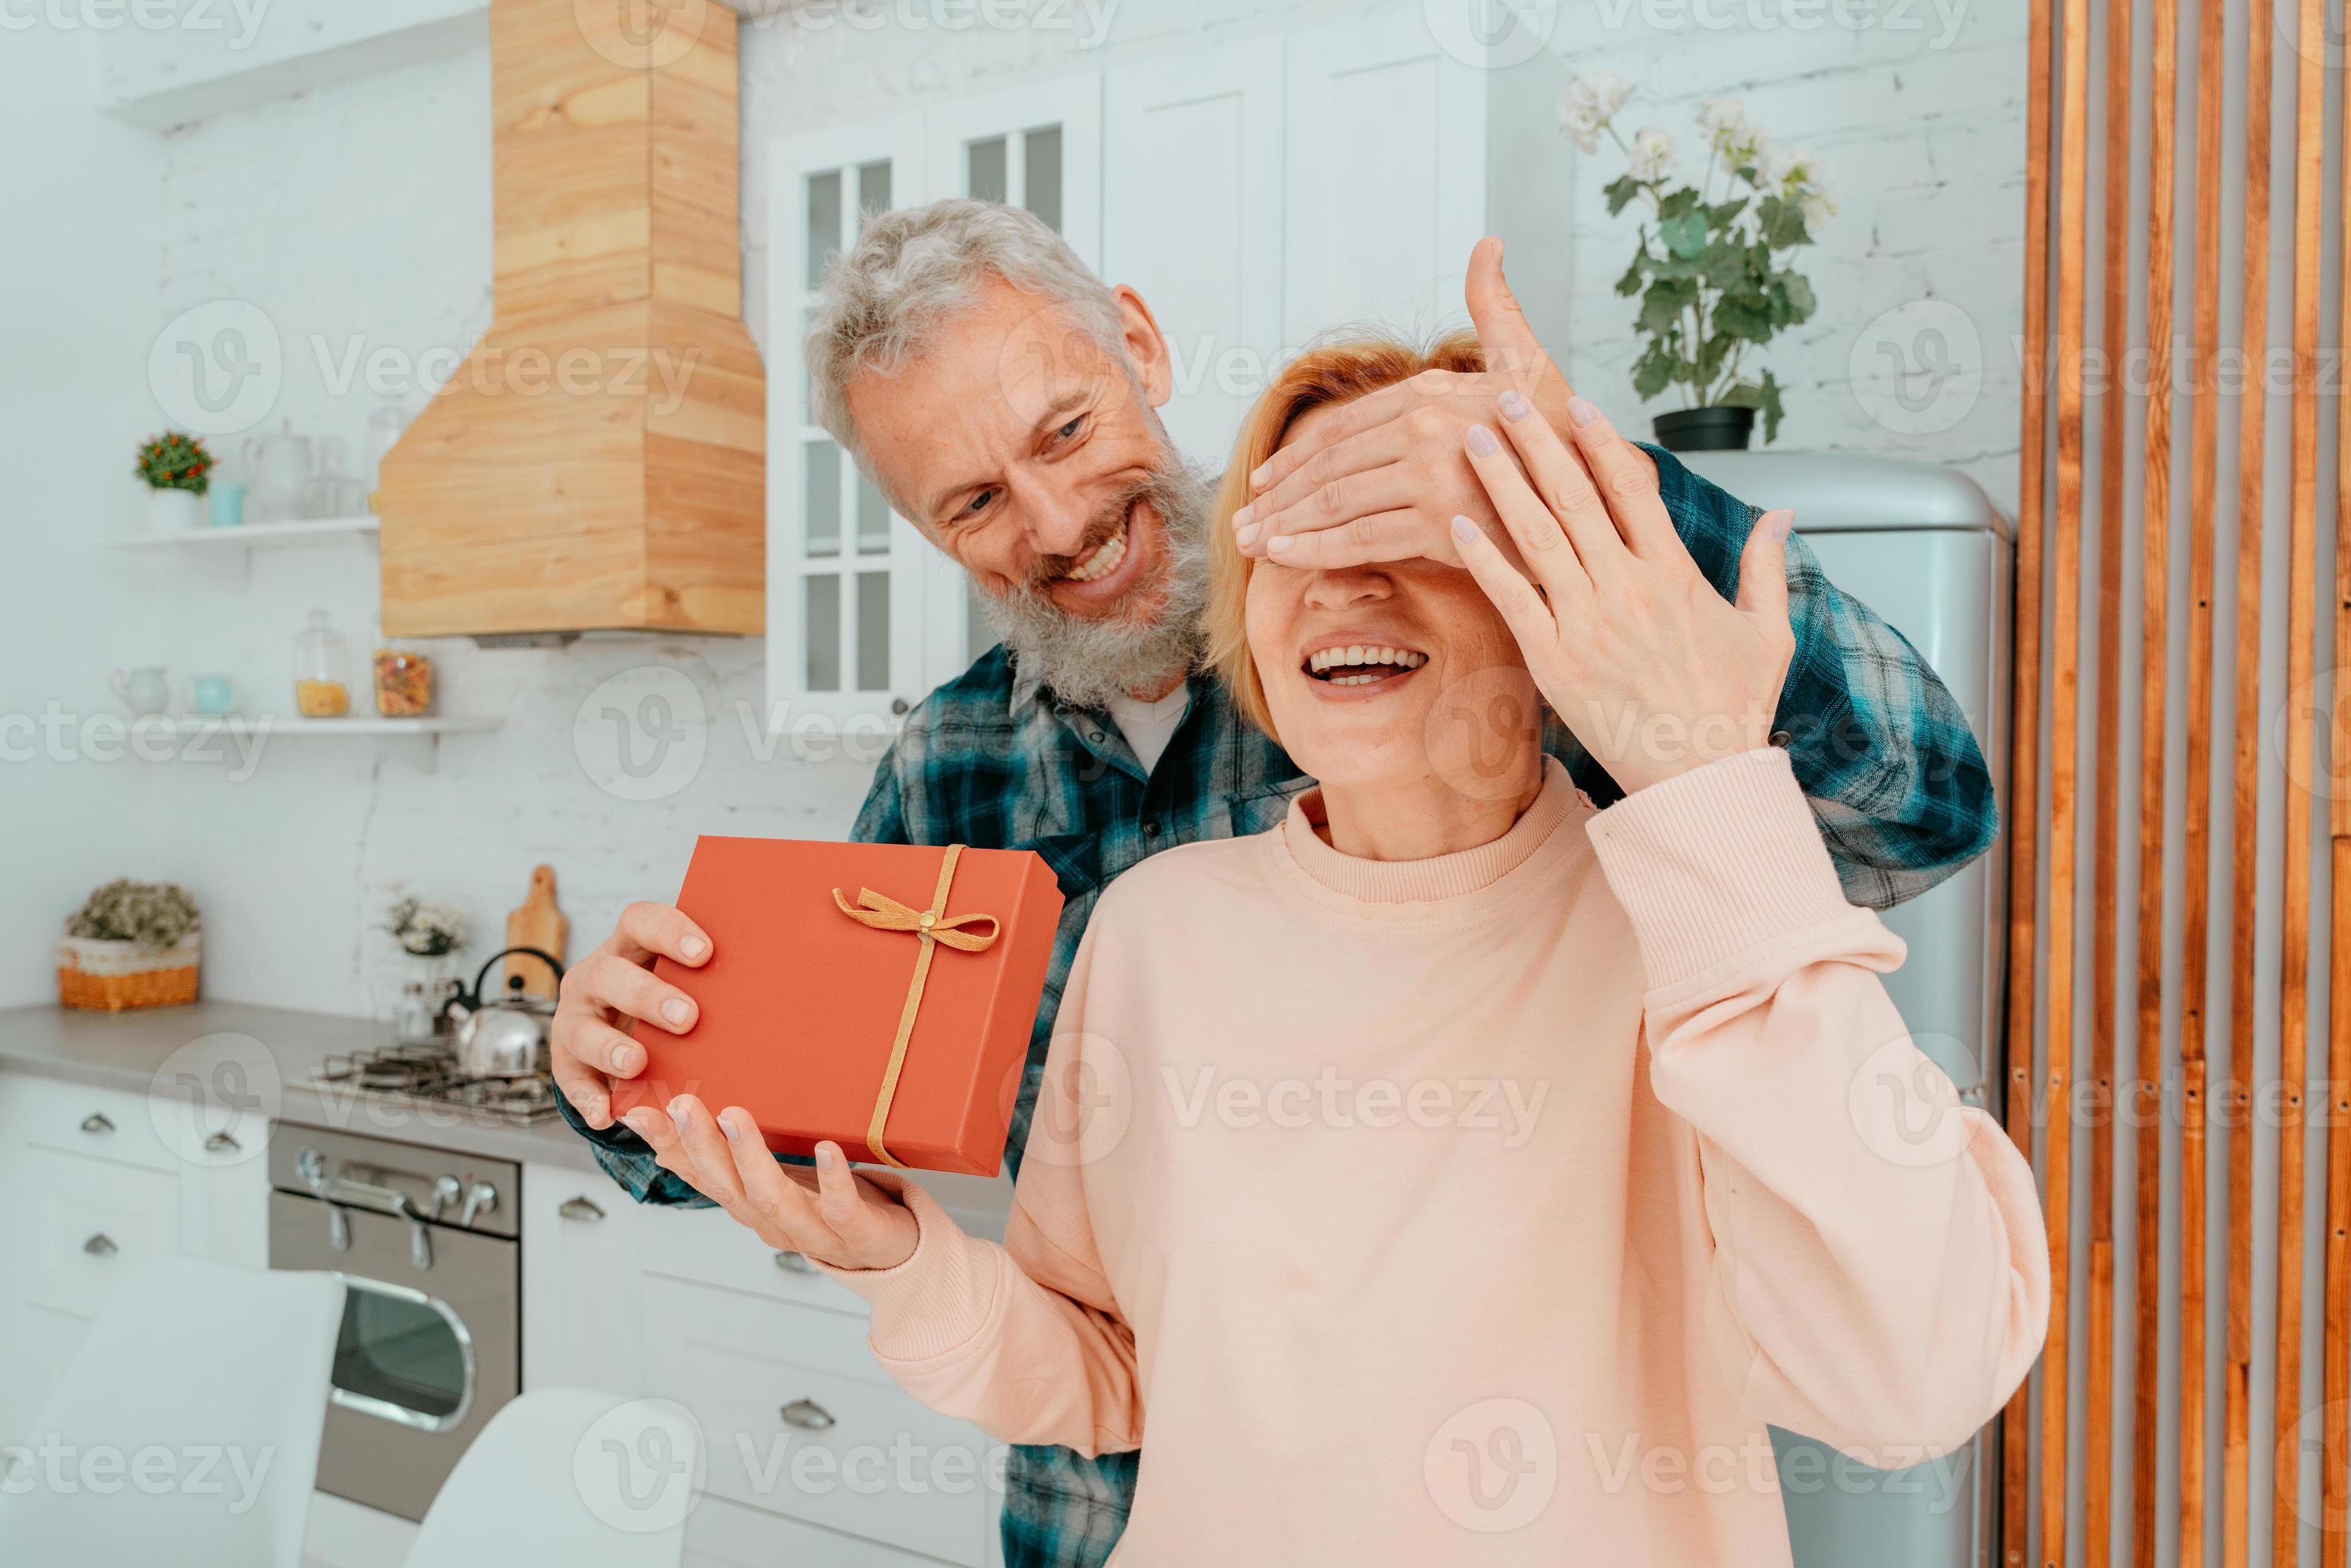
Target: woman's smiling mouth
point(1359, 667)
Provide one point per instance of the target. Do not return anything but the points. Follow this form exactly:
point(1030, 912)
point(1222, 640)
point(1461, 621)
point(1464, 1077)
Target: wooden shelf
point(286, 723)
point(253, 535)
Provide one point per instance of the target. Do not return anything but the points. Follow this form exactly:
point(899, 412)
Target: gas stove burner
point(428, 1075)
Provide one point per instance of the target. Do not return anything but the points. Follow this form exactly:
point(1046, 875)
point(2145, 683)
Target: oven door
point(429, 1349)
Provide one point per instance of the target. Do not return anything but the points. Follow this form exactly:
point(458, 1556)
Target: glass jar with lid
point(322, 681)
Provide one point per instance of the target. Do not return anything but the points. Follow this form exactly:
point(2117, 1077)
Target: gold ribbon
point(930, 927)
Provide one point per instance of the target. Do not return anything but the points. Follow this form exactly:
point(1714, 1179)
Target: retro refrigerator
point(1924, 547)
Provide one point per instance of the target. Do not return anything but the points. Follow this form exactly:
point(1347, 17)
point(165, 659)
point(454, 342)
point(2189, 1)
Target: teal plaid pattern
point(990, 759)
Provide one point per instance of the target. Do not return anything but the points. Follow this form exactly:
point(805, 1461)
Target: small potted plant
point(178, 470)
point(1711, 271)
point(133, 945)
point(425, 930)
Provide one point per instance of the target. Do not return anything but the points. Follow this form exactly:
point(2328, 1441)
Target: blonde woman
point(1459, 1173)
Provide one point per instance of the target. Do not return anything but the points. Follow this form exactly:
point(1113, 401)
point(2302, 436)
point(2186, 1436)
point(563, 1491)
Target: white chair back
point(186, 1430)
point(569, 1476)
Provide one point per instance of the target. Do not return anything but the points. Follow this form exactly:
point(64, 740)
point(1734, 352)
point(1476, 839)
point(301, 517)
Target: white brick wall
point(361, 213)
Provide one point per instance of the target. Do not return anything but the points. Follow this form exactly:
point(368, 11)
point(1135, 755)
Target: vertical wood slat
point(2155, 633)
point(2293, 978)
point(2334, 1468)
point(2195, 903)
point(2236, 1385)
point(2114, 340)
point(2065, 655)
point(2025, 723)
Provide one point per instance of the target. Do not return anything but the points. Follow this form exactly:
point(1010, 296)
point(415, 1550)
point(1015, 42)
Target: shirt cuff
point(1716, 863)
point(941, 1296)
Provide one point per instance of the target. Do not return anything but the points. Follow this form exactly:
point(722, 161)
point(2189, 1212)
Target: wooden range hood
point(628, 490)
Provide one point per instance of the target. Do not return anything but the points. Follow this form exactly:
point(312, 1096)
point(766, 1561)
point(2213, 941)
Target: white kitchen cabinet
point(582, 1299)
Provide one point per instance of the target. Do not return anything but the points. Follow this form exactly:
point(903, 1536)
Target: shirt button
point(1095, 736)
point(1150, 830)
point(1781, 739)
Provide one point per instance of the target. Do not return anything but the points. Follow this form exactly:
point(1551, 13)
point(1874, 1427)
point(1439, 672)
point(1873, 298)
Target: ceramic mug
point(144, 690)
point(228, 503)
point(212, 695)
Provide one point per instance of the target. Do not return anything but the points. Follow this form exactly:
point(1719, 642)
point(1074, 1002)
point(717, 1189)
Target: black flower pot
point(1704, 429)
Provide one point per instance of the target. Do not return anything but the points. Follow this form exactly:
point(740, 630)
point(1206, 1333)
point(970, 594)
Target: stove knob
point(445, 1192)
point(480, 1199)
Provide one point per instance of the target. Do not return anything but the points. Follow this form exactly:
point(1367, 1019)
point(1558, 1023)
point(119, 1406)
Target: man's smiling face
point(1028, 450)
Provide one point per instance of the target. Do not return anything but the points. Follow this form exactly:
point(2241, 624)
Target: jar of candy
point(322, 688)
point(404, 682)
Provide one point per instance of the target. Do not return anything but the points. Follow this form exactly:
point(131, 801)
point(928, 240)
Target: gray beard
point(1085, 663)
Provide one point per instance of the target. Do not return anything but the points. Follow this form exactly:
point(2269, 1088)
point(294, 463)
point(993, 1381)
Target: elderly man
point(1003, 399)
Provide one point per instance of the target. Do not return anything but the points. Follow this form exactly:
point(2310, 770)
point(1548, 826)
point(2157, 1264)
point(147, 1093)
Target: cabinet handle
point(222, 1143)
point(579, 1208)
point(793, 1263)
point(96, 1121)
point(101, 1245)
point(807, 1415)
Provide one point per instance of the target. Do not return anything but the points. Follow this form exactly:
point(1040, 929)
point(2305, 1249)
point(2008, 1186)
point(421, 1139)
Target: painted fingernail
point(693, 946)
point(1247, 537)
point(677, 1112)
point(1241, 518)
point(1580, 412)
point(627, 1059)
point(676, 1012)
point(1279, 543)
point(642, 1121)
point(1782, 522)
point(1258, 474)
point(727, 1126)
point(1464, 529)
point(1515, 408)
point(1482, 442)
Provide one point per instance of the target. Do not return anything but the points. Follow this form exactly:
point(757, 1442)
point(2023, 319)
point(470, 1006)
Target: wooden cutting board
point(537, 923)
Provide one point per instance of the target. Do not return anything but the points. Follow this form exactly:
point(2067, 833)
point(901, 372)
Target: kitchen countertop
point(274, 1048)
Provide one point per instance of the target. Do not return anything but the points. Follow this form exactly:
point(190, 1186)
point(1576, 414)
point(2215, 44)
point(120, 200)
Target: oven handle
point(400, 1414)
point(334, 1190)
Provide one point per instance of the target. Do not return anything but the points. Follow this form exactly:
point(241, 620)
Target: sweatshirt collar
point(1440, 878)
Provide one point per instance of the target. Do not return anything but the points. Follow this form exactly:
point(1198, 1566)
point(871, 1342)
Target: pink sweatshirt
point(1483, 1209)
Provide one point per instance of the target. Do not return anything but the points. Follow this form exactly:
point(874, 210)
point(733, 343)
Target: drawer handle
point(100, 1246)
point(793, 1263)
point(579, 1208)
point(96, 1121)
point(222, 1143)
point(807, 1415)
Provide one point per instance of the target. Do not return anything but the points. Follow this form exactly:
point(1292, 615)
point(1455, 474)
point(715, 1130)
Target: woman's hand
point(833, 1217)
point(1650, 667)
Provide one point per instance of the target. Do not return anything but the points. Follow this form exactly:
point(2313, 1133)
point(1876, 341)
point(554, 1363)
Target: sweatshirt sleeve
point(1025, 1339)
point(1880, 1274)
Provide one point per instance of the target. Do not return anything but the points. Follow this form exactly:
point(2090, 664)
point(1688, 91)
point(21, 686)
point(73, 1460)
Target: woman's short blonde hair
point(1335, 372)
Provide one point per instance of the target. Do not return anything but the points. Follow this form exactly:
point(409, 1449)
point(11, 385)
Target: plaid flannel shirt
point(991, 760)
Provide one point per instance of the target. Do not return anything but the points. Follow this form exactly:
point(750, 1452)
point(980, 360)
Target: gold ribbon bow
point(931, 926)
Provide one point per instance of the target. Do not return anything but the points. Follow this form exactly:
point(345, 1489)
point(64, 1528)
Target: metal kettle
point(503, 1035)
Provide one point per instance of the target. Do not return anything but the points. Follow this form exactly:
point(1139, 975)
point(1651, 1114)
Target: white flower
point(1653, 154)
point(1787, 169)
point(1819, 208)
point(1592, 101)
point(1717, 116)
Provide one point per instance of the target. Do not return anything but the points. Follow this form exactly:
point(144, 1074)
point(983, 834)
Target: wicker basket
point(112, 975)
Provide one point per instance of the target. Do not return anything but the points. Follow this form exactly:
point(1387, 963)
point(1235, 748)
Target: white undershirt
point(1149, 726)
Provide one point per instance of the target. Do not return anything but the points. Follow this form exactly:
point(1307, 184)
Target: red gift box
point(846, 978)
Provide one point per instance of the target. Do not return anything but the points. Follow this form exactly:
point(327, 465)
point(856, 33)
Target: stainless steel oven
point(428, 1245)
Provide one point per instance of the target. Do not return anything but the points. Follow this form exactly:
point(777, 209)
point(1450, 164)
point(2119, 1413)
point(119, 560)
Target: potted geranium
point(178, 470)
point(1711, 270)
point(133, 945)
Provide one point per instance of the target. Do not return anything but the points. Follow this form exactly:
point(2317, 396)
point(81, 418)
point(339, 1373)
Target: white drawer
point(77, 1119)
point(89, 1222)
point(703, 1246)
point(760, 1377)
point(719, 1534)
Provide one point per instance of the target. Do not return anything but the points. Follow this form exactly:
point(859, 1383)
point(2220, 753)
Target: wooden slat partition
point(2252, 58)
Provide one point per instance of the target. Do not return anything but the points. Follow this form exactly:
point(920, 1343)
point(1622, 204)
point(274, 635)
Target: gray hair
point(912, 271)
